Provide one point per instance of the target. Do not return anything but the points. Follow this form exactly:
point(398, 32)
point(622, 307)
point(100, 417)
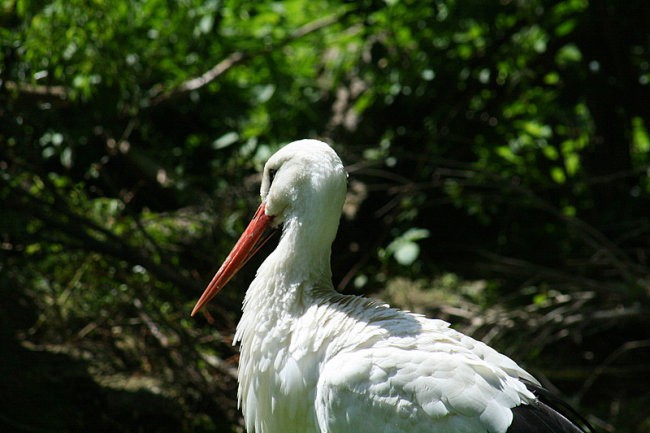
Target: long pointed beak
point(248, 244)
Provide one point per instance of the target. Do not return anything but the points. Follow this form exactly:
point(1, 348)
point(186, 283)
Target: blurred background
point(499, 161)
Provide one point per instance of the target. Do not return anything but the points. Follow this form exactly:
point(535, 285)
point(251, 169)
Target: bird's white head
point(304, 180)
point(303, 189)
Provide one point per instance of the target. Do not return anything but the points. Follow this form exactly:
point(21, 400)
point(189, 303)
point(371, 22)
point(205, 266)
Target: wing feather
point(439, 381)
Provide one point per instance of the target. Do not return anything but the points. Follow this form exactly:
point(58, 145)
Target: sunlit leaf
point(225, 140)
point(569, 53)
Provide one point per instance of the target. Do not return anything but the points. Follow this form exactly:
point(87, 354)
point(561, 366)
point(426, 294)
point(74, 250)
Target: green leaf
point(557, 174)
point(225, 140)
point(406, 253)
point(570, 53)
point(404, 248)
point(538, 130)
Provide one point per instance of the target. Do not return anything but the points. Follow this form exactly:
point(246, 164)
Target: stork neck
point(304, 251)
point(284, 282)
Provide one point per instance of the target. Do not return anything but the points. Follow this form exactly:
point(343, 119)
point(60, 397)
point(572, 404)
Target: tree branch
point(159, 95)
point(85, 234)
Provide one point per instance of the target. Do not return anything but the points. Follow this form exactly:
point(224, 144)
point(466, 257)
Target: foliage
point(498, 152)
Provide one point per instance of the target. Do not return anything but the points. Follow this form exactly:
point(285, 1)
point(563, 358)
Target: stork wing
point(440, 381)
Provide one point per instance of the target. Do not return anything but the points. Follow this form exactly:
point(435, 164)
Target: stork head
point(305, 179)
point(303, 187)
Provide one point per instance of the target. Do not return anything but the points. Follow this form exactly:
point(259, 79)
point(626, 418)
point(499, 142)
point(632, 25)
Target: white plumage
point(315, 361)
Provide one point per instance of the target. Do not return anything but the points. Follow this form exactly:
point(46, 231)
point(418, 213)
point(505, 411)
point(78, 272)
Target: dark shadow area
point(42, 391)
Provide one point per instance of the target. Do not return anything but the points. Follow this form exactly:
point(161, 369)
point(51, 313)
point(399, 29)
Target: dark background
point(499, 179)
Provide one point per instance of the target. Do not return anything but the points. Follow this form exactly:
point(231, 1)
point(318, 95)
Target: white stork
point(315, 361)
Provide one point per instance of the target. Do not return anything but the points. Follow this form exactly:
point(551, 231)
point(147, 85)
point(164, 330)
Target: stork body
point(315, 361)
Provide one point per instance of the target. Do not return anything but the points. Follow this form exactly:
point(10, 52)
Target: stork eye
point(272, 172)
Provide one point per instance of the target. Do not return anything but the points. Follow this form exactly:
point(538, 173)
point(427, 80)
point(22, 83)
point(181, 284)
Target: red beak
point(247, 245)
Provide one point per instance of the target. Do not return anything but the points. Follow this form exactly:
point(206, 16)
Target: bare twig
point(91, 236)
point(591, 236)
point(58, 92)
point(604, 366)
point(197, 82)
point(159, 94)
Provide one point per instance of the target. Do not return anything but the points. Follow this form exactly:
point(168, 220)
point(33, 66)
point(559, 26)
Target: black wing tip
point(549, 414)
